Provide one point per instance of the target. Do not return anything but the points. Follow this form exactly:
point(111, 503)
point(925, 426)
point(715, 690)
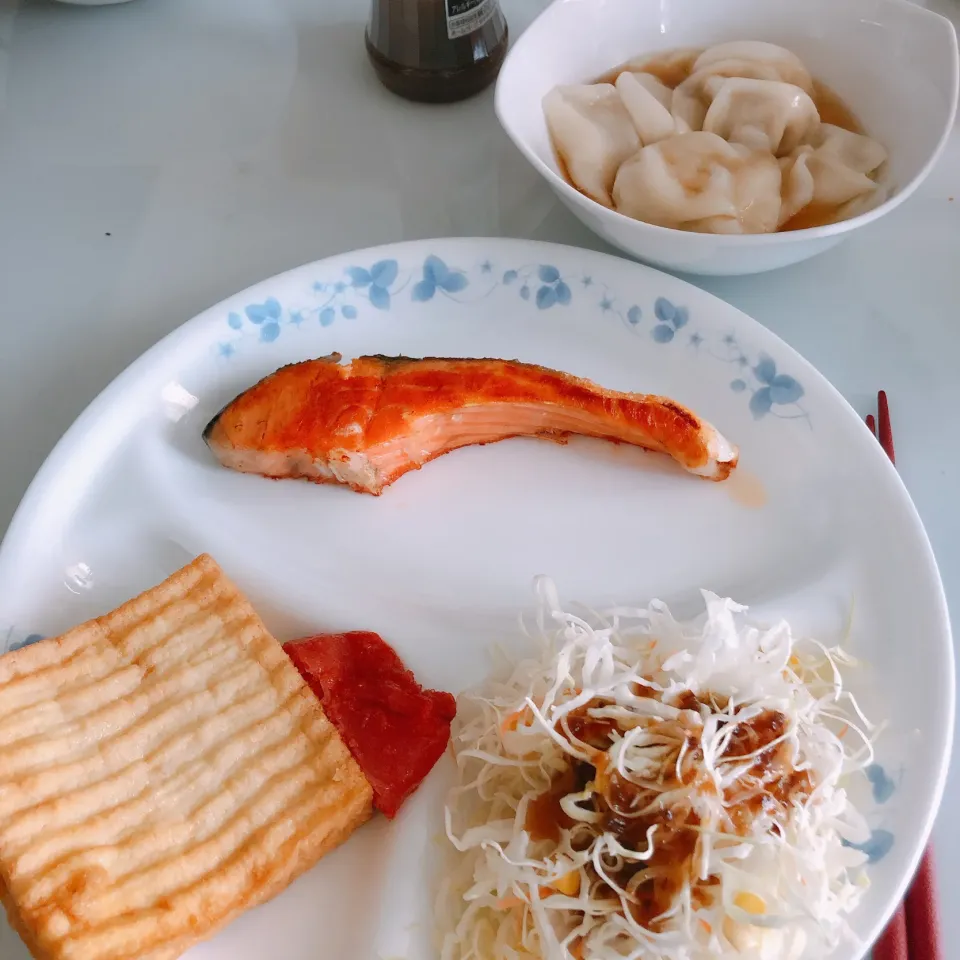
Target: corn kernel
point(743, 937)
point(568, 884)
point(750, 903)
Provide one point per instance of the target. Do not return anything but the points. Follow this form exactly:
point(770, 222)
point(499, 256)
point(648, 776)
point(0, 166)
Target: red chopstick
point(923, 916)
point(914, 930)
point(886, 431)
point(893, 943)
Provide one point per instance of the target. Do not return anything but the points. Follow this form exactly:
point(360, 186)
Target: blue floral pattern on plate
point(768, 391)
point(876, 847)
point(11, 640)
point(438, 276)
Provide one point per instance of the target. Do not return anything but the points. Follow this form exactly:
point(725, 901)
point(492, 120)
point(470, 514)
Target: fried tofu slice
point(162, 769)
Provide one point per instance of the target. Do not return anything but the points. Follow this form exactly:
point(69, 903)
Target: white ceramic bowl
point(893, 62)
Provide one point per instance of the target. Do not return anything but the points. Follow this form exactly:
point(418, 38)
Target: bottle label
point(465, 16)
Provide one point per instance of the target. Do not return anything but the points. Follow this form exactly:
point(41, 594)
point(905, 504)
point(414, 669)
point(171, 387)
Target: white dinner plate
point(814, 523)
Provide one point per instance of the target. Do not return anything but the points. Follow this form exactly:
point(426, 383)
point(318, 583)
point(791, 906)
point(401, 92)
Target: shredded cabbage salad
point(645, 788)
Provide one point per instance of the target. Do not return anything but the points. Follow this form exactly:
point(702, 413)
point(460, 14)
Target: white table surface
point(162, 154)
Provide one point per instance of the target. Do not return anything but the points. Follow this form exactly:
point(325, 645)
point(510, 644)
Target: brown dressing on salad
point(629, 811)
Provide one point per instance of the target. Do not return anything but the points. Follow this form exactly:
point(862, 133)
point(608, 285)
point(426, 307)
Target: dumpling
point(841, 164)
point(690, 102)
point(651, 119)
point(672, 65)
point(838, 175)
point(655, 86)
point(746, 59)
point(592, 134)
point(796, 183)
point(755, 60)
point(761, 114)
point(698, 181)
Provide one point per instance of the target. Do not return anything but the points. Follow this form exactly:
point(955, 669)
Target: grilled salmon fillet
point(367, 422)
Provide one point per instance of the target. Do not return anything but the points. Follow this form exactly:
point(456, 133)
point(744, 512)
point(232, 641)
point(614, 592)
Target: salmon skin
point(367, 422)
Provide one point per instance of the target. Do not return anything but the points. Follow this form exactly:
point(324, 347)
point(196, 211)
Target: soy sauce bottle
point(436, 51)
